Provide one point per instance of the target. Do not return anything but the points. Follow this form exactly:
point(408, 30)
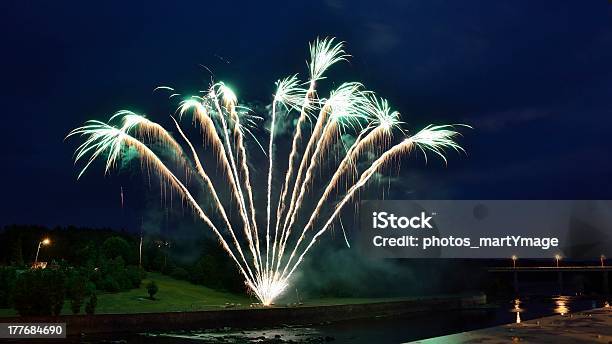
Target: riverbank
point(253, 317)
point(594, 326)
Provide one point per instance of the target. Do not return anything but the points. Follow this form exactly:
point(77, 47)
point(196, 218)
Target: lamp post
point(45, 241)
point(515, 276)
point(140, 252)
point(605, 286)
point(557, 258)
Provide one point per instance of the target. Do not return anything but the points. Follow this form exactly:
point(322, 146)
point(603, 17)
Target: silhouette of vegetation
point(84, 261)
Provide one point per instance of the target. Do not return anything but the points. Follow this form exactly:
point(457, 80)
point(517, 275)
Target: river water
point(397, 329)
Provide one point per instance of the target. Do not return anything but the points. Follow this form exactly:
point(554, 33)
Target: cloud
point(497, 121)
point(336, 4)
point(381, 37)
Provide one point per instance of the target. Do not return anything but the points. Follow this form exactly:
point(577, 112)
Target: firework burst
point(268, 258)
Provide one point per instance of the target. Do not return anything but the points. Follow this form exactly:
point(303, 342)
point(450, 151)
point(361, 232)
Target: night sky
point(534, 79)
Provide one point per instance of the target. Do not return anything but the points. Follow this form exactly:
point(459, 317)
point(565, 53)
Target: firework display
point(268, 253)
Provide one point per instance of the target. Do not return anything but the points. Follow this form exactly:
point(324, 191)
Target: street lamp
point(45, 241)
point(514, 258)
point(557, 258)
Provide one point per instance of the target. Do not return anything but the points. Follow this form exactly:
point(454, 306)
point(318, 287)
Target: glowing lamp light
point(557, 259)
point(45, 242)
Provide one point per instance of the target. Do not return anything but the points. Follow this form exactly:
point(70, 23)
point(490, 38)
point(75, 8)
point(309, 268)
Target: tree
point(87, 254)
point(29, 296)
point(8, 277)
point(16, 252)
point(135, 275)
point(114, 247)
point(39, 292)
point(90, 307)
point(55, 279)
point(77, 288)
point(152, 289)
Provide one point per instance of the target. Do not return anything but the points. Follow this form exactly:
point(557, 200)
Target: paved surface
point(594, 326)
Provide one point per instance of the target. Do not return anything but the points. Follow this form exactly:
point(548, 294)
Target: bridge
point(558, 269)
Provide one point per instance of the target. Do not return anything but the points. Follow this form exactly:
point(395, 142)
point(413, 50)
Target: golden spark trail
point(323, 140)
point(206, 125)
point(269, 194)
point(288, 175)
point(236, 177)
point(323, 54)
point(313, 138)
point(402, 147)
point(209, 130)
point(146, 128)
point(349, 159)
point(287, 94)
point(231, 106)
point(346, 104)
point(432, 138)
point(152, 158)
point(213, 191)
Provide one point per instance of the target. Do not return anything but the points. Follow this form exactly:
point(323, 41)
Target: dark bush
point(30, 296)
point(206, 271)
point(135, 275)
point(56, 280)
point(76, 290)
point(109, 284)
point(39, 292)
point(114, 265)
point(152, 289)
point(8, 277)
point(87, 255)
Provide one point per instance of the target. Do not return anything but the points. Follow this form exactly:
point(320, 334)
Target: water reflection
point(562, 304)
point(517, 309)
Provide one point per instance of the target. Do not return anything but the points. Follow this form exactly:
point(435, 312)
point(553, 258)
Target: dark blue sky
point(533, 78)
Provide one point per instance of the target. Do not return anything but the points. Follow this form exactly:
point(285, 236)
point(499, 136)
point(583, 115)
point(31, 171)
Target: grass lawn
point(176, 295)
point(173, 295)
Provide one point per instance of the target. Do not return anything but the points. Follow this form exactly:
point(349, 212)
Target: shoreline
point(245, 318)
point(592, 326)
